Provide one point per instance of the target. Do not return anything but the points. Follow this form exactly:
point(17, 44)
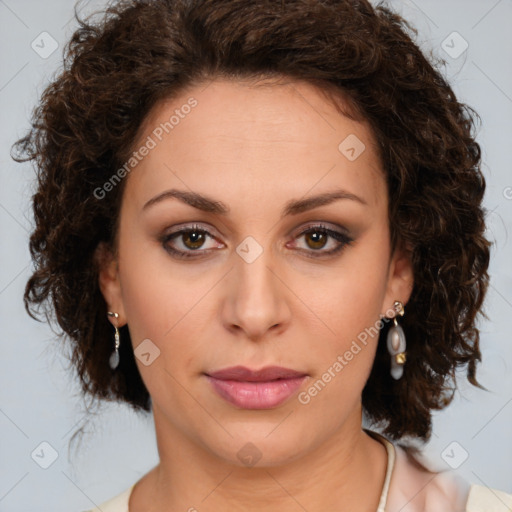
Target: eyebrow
point(293, 207)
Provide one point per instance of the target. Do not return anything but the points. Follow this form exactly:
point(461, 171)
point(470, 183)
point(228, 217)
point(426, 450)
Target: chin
point(259, 446)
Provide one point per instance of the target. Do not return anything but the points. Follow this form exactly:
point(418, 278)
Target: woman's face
point(277, 253)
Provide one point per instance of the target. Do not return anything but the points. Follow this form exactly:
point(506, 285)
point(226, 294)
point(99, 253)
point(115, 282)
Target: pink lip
point(256, 389)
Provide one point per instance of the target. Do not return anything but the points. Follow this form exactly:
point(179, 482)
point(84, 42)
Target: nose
point(256, 300)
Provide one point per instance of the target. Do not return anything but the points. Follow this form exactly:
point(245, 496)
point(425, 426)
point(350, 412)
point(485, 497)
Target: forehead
point(262, 138)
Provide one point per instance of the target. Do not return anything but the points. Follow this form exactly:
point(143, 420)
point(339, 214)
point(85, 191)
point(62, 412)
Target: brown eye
point(190, 242)
point(193, 239)
point(319, 241)
point(316, 239)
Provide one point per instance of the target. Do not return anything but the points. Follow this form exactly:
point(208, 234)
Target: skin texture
point(255, 148)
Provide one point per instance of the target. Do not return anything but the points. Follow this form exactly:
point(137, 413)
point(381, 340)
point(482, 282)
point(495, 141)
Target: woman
point(260, 221)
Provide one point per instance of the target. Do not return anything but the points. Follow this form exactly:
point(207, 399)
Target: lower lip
point(256, 395)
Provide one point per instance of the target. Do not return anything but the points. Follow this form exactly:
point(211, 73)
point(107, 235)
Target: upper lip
point(241, 373)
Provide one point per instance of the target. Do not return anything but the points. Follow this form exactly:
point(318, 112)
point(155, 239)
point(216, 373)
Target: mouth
point(256, 389)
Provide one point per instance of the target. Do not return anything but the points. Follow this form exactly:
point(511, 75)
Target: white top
point(408, 487)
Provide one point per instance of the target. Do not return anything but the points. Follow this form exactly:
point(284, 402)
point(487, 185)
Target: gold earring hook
point(112, 314)
point(399, 310)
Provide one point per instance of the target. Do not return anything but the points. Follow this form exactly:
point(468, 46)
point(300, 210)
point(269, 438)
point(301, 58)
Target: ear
point(109, 283)
point(400, 279)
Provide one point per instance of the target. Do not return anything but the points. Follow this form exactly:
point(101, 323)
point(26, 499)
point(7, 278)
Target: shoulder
point(415, 489)
point(484, 499)
point(118, 503)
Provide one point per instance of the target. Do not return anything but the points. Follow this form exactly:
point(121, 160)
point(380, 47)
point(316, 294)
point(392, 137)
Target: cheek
point(161, 314)
point(349, 304)
point(351, 298)
point(343, 356)
point(152, 297)
point(155, 304)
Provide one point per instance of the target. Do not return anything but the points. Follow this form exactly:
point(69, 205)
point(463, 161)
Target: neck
point(346, 472)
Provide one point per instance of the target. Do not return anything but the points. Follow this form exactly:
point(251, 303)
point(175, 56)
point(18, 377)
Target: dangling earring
point(396, 343)
point(114, 357)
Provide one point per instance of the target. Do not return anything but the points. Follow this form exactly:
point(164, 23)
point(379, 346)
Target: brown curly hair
point(116, 69)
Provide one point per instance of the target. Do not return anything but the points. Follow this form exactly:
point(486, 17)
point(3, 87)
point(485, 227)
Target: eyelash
point(342, 238)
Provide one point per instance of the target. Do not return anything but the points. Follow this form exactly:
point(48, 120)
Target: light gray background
point(39, 400)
